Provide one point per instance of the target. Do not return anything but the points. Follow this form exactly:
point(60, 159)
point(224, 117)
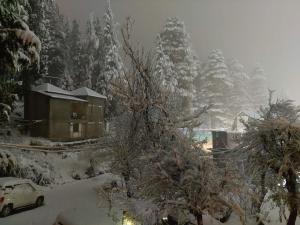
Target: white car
point(18, 193)
point(95, 216)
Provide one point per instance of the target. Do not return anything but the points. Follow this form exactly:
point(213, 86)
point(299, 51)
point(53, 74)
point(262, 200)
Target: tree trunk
point(291, 185)
point(256, 205)
point(292, 217)
point(199, 219)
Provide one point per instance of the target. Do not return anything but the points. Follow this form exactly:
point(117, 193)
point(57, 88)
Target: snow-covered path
point(79, 194)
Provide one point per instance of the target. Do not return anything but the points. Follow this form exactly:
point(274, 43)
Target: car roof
point(8, 181)
point(95, 216)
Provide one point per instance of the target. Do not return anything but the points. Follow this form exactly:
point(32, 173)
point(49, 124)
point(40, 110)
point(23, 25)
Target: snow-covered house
point(61, 115)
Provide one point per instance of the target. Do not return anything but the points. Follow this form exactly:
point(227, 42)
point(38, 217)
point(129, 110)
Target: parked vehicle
point(96, 216)
point(18, 193)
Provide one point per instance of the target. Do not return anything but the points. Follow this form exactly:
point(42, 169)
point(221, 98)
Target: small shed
point(61, 115)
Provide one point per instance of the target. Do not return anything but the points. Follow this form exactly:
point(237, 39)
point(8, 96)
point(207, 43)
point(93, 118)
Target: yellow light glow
point(128, 221)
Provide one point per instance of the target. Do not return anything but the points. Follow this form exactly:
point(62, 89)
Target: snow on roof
point(8, 181)
point(56, 92)
point(50, 88)
point(84, 91)
point(61, 96)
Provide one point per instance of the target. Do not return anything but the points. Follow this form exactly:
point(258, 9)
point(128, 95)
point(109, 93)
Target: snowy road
point(79, 194)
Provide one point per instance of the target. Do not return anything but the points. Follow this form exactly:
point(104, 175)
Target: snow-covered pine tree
point(47, 22)
point(163, 67)
point(257, 87)
point(19, 50)
point(39, 19)
point(163, 71)
point(98, 54)
point(89, 57)
point(112, 65)
point(57, 47)
point(35, 15)
point(176, 45)
point(75, 52)
point(240, 99)
point(197, 100)
point(215, 90)
point(67, 83)
point(20, 47)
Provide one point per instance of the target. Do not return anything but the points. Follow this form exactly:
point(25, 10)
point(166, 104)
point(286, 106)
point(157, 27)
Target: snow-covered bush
point(5, 111)
point(8, 164)
point(39, 173)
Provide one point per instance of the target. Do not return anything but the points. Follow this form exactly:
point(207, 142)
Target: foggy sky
point(253, 31)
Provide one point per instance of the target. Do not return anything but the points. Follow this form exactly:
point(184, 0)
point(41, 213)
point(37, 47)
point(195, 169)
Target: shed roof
point(50, 88)
point(84, 91)
point(61, 96)
point(55, 92)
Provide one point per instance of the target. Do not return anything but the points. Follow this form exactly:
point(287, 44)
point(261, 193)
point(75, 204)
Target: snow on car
point(18, 193)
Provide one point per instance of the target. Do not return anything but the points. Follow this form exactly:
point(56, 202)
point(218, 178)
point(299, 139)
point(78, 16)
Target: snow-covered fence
point(87, 145)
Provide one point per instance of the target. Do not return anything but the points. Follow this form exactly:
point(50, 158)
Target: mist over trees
point(71, 58)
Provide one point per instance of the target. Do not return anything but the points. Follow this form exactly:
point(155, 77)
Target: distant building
point(61, 115)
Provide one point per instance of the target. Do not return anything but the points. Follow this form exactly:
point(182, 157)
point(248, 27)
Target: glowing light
point(165, 218)
point(128, 221)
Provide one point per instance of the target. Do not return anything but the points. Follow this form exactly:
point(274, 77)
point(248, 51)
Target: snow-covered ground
point(60, 168)
point(79, 194)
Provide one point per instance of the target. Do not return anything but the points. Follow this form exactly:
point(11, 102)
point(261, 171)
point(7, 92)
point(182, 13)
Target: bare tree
point(272, 142)
point(157, 161)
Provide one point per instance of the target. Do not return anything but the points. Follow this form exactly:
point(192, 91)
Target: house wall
point(96, 122)
point(61, 119)
point(57, 119)
point(95, 126)
point(36, 112)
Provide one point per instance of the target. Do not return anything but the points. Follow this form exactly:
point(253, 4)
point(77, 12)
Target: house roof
point(61, 96)
point(84, 91)
point(50, 88)
point(55, 92)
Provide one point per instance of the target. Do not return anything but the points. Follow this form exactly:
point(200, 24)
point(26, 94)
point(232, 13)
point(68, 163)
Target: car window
point(7, 189)
point(23, 188)
point(18, 188)
point(28, 188)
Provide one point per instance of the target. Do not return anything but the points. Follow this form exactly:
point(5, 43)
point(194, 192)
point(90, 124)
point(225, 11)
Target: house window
point(76, 127)
point(76, 130)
